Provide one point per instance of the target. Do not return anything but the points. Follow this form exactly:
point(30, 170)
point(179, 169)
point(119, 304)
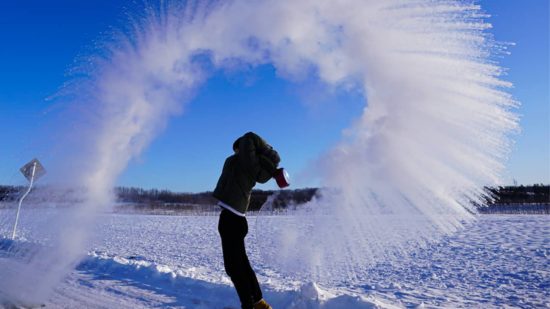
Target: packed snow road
point(143, 261)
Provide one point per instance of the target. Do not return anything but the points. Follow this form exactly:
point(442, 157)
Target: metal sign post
point(32, 170)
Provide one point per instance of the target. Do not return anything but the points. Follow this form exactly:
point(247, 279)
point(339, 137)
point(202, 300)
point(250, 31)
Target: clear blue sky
point(42, 39)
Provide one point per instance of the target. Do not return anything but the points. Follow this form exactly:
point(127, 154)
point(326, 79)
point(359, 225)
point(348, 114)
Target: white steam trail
point(432, 134)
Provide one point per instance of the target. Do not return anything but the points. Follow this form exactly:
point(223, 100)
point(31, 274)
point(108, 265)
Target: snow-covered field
point(144, 261)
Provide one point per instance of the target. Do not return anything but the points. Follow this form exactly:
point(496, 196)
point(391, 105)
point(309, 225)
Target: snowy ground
point(143, 261)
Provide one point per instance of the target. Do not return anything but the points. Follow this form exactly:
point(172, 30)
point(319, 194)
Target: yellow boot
point(262, 304)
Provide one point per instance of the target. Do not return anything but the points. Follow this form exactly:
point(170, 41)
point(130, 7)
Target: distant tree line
point(143, 196)
point(508, 199)
point(518, 199)
point(535, 194)
point(9, 193)
point(172, 200)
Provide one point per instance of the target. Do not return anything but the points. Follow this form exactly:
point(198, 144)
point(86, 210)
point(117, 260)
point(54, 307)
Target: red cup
point(282, 178)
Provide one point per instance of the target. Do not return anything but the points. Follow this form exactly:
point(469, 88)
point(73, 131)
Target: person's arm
point(267, 169)
point(269, 161)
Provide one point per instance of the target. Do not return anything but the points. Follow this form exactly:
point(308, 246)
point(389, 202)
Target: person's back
point(254, 161)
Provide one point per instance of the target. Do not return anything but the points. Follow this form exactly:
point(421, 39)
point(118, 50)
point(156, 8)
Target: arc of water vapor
point(433, 133)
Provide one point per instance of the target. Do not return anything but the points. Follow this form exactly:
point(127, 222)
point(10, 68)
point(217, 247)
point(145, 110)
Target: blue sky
point(41, 40)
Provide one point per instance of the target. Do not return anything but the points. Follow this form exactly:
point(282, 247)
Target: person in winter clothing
point(254, 160)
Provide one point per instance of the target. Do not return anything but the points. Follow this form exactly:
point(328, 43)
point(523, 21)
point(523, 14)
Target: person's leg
point(252, 280)
point(233, 229)
point(255, 289)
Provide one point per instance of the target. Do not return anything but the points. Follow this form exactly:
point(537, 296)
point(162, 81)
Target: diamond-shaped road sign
point(27, 170)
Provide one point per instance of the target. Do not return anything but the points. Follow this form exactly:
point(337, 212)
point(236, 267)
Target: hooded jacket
point(254, 161)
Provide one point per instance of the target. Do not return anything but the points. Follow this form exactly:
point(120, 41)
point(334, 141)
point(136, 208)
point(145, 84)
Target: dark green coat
point(255, 161)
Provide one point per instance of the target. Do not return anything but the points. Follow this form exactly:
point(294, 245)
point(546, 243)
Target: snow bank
point(199, 291)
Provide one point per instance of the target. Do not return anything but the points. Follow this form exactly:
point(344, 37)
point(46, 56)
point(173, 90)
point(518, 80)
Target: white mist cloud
point(433, 132)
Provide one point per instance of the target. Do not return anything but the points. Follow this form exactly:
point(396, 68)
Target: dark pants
point(232, 230)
